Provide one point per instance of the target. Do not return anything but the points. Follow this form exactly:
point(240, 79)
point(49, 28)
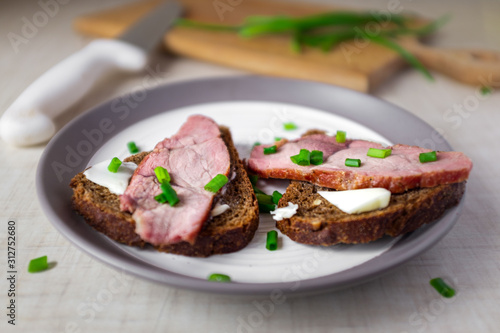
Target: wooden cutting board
point(353, 65)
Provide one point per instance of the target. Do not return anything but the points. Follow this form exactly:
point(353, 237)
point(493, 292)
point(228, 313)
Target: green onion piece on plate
point(340, 137)
point(162, 175)
point(38, 265)
point(219, 278)
point(258, 190)
point(265, 198)
point(170, 194)
point(427, 157)
point(353, 162)
point(266, 203)
point(303, 158)
point(272, 240)
point(317, 157)
point(289, 126)
point(161, 198)
point(276, 197)
point(132, 148)
point(442, 288)
point(114, 165)
point(270, 150)
point(379, 153)
point(486, 90)
point(277, 138)
point(257, 143)
point(216, 183)
point(253, 179)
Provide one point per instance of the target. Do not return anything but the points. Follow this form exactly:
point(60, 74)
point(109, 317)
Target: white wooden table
point(75, 295)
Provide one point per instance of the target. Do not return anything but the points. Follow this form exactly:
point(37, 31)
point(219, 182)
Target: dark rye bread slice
point(228, 232)
point(318, 222)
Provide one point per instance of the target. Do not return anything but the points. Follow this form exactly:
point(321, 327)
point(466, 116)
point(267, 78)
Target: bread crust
point(225, 233)
point(318, 222)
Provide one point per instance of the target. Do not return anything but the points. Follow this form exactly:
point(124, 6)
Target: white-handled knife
point(29, 120)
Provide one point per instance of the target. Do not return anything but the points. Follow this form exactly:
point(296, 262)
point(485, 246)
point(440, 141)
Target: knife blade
point(29, 119)
point(153, 26)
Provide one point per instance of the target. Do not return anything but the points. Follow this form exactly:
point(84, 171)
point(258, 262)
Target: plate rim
point(256, 88)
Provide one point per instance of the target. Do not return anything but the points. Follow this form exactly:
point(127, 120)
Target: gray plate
point(60, 162)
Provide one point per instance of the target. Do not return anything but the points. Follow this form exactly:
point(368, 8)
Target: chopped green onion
point(486, 90)
point(219, 278)
point(340, 137)
point(114, 165)
point(162, 175)
point(303, 158)
point(427, 157)
point(257, 143)
point(272, 240)
point(316, 157)
point(442, 288)
point(277, 138)
point(276, 197)
point(38, 265)
point(170, 194)
point(379, 153)
point(216, 183)
point(265, 198)
point(270, 150)
point(257, 190)
point(161, 198)
point(132, 148)
point(266, 203)
point(266, 208)
point(289, 126)
point(253, 179)
point(353, 162)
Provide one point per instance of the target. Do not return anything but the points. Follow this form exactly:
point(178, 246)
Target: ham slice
point(398, 173)
point(192, 157)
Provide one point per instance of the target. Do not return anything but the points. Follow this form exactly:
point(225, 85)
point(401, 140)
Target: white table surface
point(61, 299)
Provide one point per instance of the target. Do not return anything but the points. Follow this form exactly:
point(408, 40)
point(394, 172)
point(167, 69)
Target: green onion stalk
point(328, 30)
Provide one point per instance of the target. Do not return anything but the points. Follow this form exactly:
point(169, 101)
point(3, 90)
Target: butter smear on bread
point(219, 209)
point(358, 201)
point(115, 182)
point(285, 212)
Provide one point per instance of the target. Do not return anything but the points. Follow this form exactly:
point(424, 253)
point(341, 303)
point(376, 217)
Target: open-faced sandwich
point(356, 191)
point(190, 195)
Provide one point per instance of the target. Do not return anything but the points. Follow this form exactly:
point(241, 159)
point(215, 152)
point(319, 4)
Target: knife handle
point(28, 120)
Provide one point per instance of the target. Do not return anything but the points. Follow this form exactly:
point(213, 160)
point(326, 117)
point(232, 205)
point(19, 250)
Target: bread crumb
point(316, 224)
point(317, 202)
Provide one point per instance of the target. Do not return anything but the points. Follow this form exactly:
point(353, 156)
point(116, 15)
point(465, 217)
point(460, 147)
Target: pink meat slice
point(193, 156)
point(398, 173)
